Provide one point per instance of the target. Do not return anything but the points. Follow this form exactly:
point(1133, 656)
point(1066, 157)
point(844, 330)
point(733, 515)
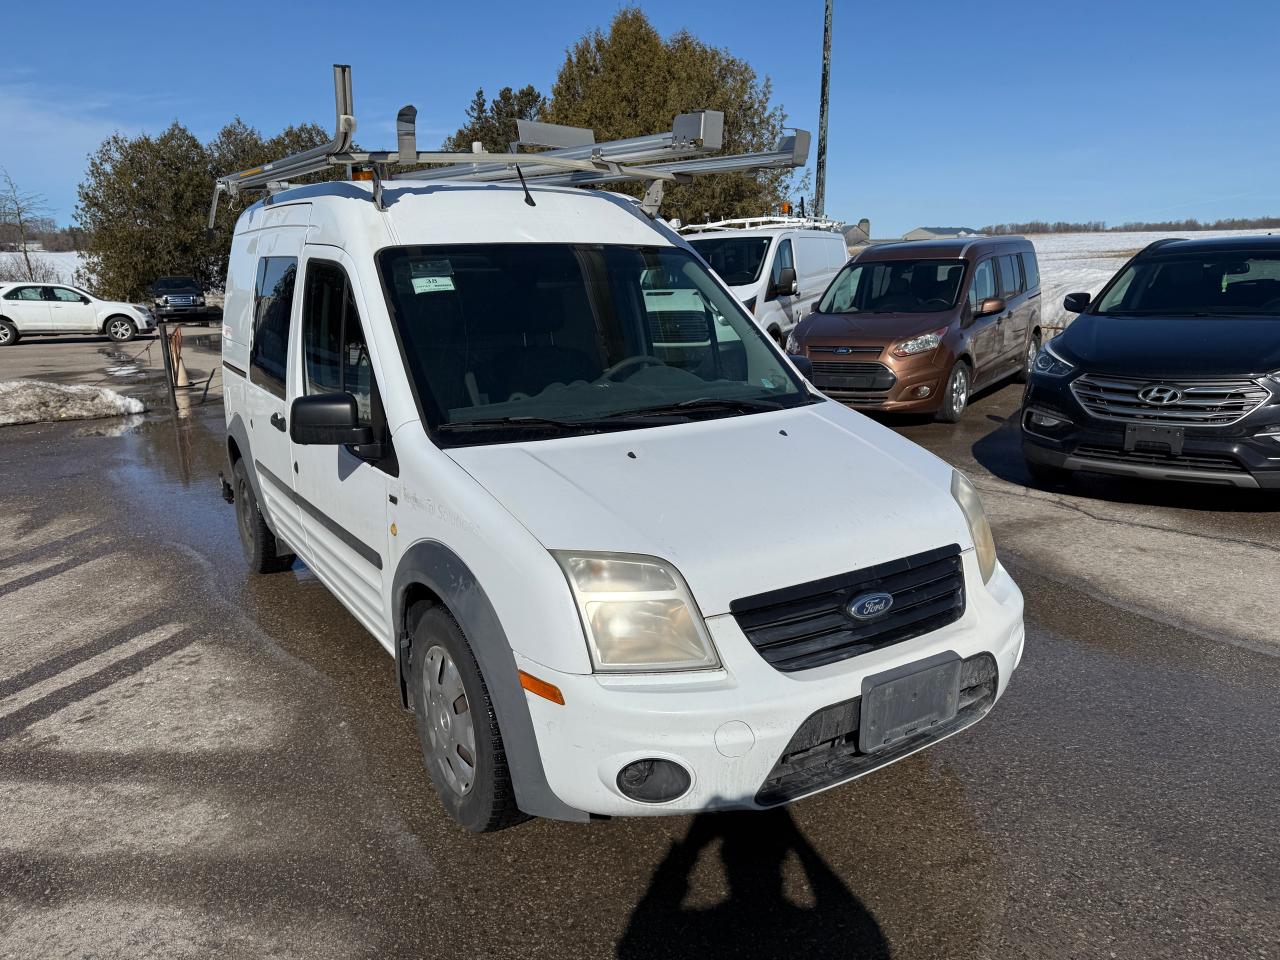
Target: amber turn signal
point(548, 691)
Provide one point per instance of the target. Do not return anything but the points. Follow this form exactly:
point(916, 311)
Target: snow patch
point(38, 401)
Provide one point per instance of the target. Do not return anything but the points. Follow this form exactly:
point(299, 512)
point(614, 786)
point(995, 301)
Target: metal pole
point(168, 366)
point(820, 193)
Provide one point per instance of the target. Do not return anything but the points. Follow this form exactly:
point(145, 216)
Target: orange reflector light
point(361, 174)
point(548, 691)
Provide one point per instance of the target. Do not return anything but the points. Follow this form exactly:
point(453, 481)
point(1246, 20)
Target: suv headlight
point(983, 544)
point(921, 344)
point(1049, 364)
point(638, 614)
point(199, 301)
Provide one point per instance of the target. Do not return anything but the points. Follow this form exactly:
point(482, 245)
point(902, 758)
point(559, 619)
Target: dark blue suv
point(1172, 373)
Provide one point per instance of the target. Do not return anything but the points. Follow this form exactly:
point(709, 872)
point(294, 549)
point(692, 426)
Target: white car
point(526, 438)
point(40, 309)
point(778, 272)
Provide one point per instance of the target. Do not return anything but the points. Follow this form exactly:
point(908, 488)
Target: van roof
point(958, 248)
point(434, 212)
point(763, 232)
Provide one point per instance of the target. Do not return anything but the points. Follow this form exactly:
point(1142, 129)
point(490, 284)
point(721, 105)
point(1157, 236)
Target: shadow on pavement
point(757, 918)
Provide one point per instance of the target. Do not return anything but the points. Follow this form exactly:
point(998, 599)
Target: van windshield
point(736, 259)
point(574, 337)
point(895, 286)
point(1235, 283)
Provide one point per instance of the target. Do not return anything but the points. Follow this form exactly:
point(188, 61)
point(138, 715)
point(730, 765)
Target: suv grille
point(1203, 403)
point(806, 626)
point(1159, 458)
point(852, 375)
point(181, 300)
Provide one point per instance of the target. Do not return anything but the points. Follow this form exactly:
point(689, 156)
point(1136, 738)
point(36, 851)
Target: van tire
point(9, 334)
point(120, 329)
point(488, 802)
point(959, 381)
point(261, 549)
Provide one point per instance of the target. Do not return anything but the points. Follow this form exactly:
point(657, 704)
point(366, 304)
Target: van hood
point(1158, 347)
point(827, 327)
point(739, 505)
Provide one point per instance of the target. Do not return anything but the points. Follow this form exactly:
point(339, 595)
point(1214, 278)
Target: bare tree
point(21, 213)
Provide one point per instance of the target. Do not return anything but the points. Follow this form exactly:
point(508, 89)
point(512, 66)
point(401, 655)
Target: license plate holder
point(1171, 437)
point(908, 700)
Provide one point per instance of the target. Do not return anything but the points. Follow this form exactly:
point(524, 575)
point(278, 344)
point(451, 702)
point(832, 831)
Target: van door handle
point(277, 421)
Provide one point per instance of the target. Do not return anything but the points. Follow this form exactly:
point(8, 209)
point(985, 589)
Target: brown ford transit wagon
point(916, 327)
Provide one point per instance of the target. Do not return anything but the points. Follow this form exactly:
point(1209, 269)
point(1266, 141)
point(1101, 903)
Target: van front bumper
point(741, 732)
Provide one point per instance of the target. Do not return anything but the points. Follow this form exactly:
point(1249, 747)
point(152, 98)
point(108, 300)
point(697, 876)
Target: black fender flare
point(237, 431)
point(431, 564)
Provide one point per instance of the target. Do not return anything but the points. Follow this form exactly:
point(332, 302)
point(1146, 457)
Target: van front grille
point(1191, 403)
point(809, 625)
point(678, 327)
point(852, 375)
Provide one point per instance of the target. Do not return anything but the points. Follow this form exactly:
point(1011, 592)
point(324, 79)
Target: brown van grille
point(809, 625)
point(853, 375)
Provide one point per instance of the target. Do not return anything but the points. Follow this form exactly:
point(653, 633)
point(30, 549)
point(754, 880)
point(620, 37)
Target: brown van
point(916, 327)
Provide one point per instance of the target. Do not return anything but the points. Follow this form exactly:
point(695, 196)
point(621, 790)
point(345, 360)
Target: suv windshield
point(575, 336)
point(736, 259)
point(1224, 283)
point(895, 286)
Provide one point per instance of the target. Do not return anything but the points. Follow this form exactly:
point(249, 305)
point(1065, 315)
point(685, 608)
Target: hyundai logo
point(1159, 394)
point(868, 606)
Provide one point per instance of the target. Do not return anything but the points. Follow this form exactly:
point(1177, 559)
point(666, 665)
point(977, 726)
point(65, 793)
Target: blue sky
point(943, 113)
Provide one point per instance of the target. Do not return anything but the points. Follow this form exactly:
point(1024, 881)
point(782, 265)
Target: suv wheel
point(955, 395)
point(1033, 351)
point(121, 329)
point(261, 549)
point(9, 334)
point(461, 744)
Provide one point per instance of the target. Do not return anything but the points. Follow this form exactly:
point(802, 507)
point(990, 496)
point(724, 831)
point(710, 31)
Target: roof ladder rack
point(573, 157)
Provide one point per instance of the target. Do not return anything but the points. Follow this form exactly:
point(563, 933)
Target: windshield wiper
point(607, 423)
point(704, 403)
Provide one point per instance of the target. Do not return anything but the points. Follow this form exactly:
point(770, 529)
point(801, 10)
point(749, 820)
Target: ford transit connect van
point(519, 431)
point(778, 272)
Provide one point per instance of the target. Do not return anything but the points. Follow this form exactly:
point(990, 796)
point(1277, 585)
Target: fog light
point(922, 391)
point(653, 781)
point(1038, 419)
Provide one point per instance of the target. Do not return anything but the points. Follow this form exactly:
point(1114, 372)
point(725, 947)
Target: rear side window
point(1010, 275)
point(1031, 270)
point(335, 355)
point(272, 306)
point(984, 283)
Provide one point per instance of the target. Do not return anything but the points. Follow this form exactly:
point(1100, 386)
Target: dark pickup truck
point(182, 299)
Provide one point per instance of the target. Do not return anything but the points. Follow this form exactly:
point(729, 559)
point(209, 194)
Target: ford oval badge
point(868, 606)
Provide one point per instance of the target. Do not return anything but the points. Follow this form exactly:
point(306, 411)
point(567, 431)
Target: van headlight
point(921, 344)
point(983, 544)
point(794, 347)
point(638, 615)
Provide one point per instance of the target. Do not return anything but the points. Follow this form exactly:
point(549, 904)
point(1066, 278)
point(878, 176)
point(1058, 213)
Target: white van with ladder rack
point(778, 267)
point(515, 426)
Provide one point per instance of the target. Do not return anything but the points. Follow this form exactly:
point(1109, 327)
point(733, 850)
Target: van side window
point(1010, 276)
point(272, 306)
point(984, 284)
point(1031, 270)
point(335, 353)
point(783, 258)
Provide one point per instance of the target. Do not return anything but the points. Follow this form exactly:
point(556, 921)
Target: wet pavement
point(194, 761)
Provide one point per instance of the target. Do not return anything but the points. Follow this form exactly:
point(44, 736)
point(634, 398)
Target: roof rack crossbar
point(671, 157)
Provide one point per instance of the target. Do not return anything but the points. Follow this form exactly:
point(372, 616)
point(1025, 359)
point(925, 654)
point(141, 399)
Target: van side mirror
point(1076, 302)
point(327, 419)
point(989, 306)
point(786, 285)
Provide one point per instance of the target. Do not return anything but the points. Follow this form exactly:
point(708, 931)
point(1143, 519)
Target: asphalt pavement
point(197, 762)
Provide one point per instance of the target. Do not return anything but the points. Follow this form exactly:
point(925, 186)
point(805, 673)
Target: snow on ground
point(65, 263)
point(1084, 262)
point(38, 401)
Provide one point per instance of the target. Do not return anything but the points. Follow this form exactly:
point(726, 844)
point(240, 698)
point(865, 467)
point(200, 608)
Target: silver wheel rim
point(450, 729)
point(4, 334)
point(119, 330)
point(959, 390)
point(1033, 350)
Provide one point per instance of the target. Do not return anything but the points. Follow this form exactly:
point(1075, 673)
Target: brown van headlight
point(921, 344)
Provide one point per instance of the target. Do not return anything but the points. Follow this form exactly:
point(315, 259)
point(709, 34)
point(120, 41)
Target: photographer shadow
point(757, 918)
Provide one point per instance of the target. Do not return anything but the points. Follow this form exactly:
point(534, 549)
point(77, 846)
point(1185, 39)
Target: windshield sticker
point(431, 284)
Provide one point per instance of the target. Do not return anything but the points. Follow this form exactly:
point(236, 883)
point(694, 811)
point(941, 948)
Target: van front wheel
point(461, 744)
point(955, 395)
point(261, 549)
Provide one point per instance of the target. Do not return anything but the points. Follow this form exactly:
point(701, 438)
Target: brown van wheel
point(1033, 351)
point(955, 395)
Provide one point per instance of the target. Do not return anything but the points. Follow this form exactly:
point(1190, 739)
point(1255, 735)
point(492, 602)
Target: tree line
point(1133, 226)
point(144, 201)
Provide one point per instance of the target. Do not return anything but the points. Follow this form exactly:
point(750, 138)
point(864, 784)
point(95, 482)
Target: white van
point(776, 266)
point(518, 432)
